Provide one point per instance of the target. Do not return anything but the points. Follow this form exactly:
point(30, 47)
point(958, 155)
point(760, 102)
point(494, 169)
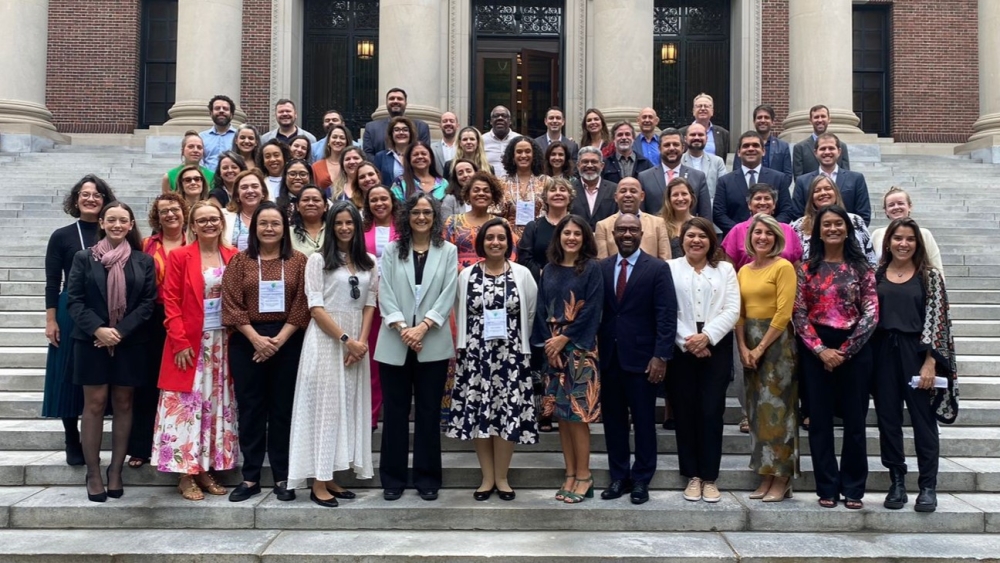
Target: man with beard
point(444, 150)
point(595, 196)
point(654, 181)
point(374, 135)
point(716, 138)
point(635, 341)
point(495, 140)
point(331, 119)
point(696, 157)
point(624, 162)
point(730, 205)
point(803, 154)
point(554, 122)
point(852, 185)
point(220, 137)
point(648, 142)
point(285, 115)
point(777, 153)
point(654, 239)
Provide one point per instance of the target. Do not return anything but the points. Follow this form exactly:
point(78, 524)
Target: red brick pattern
point(774, 58)
point(92, 76)
point(255, 82)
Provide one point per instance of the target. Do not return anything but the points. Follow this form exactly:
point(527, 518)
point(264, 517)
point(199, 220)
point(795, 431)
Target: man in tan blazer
point(629, 196)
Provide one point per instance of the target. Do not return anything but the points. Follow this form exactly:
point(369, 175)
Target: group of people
point(283, 302)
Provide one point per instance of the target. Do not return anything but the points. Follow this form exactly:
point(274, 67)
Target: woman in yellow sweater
point(767, 351)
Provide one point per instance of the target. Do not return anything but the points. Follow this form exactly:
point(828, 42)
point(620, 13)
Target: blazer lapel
point(602, 194)
point(637, 271)
point(132, 297)
point(431, 265)
point(100, 278)
point(196, 279)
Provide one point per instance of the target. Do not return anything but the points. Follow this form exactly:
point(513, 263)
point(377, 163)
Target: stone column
point(820, 66)
point(988, 123)
point(209, 59)
point(409, 56)
point(25, 123)
point(622, 58)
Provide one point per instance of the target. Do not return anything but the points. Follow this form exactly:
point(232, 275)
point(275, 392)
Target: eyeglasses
point(169, 211)
point(208, 221)
point(191, 179)
point(703, 106)
point(301, 174)
point(355, 290)
point(400, 129)
point(500, 116)
point(91, 195)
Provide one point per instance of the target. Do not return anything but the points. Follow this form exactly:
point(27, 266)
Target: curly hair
point(154, 209)
point(286, 155)
point(404, 233)
point(510, 167)
point(71, 204)
point(496, 190)
point(568, 168)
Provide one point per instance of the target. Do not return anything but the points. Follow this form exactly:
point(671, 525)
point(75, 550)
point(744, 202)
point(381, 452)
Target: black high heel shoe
point(113, 493)
point(99, 497)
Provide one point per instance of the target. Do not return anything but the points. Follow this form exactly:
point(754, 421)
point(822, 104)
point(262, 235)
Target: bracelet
point(426, 322)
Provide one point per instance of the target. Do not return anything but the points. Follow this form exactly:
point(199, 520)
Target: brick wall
point(774, 58)
point(92, 76)
point(255, 82)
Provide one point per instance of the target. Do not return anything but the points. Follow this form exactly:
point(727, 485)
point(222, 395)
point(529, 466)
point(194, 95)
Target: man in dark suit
point(852, 185)
point(624, 162)
point(777, 153)
point(717, 142)
point(374, 134)
point(730, 205)
point(803, 153)
point(635, 341)
point(654, 181)
point(595, 197)
point(554, 122)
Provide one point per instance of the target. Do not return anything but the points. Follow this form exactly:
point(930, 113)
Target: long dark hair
point(714, 254)
point(920, 262)
point(588, 250)
point(287, 199)
point(510, 167)
point(454, 188)
point(217, 181)
point(253, 245)
point(255, 153)
point(568, 167)
point(298, 225)
point(71, 205)
point(410, 181)
point(286, 155)
point(404, 234)
point(358, 251)
point(853, 255)
point(366, 209)
point(133, 238)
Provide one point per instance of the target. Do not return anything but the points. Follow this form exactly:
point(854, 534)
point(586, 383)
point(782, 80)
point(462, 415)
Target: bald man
point(647, 143)
point(629, 197)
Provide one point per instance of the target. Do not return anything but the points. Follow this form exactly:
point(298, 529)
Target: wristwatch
point(344, 338)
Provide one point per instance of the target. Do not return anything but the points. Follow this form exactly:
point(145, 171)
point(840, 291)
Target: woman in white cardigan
point(492, 402)
point(708, 306)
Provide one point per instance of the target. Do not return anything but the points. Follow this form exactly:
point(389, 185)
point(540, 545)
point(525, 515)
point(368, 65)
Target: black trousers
point(423, 385)
point(146, 397)
point(845, 391)
point(697, 392)
point(624, 392)
point(898, 359)
point(264, 395)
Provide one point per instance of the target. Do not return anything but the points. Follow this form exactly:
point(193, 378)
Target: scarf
point(114, 260)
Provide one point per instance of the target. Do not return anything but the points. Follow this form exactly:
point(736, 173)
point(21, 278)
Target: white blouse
point(712, 297)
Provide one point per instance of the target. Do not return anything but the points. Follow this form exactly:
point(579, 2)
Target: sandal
point(561, 493)
point(853, 504)
point(545, 425)
point(189, 489)
point(828, 502)
point(745, 425)
point(137, 462)
point(572, 497)
point(207, 483)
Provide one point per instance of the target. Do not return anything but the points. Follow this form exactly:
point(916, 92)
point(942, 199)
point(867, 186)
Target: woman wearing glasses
point(332, 408)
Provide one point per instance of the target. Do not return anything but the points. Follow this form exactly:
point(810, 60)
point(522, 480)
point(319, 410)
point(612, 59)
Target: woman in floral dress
point(492, 402)
point(196, 417)
point(481, 192)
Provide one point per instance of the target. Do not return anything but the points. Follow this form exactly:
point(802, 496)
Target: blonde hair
point(667, 212)
point(810, 210)
point(549, 184)
point(192, 234)
point(234, 204)
point(772, 225)
point(896, 190)
point(479, 156)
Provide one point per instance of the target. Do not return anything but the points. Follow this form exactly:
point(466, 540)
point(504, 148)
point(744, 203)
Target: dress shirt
point(631, 266)
point(667, 178)
point(650, 149)
point(448, 151)
point(832, 175)
point(710, 140)
point(756, 175)
point(591, 195)
point(626, 163)
point(215, 143)
point(495, 147)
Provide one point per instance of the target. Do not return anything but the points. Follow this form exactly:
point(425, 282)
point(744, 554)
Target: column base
point(26, 137)
point(985, 148)
point(194, 114)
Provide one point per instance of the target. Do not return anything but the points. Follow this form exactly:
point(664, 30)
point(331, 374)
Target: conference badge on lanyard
point(271, 294)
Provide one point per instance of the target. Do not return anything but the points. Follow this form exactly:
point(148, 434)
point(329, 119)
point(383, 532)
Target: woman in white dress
point(331, 415)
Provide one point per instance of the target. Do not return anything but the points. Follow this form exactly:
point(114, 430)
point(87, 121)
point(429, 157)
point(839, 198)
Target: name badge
point(242, 241)
point(213, 314)
point(418, 296)
point(495, 324)
point(271, 297)
point(525, 212)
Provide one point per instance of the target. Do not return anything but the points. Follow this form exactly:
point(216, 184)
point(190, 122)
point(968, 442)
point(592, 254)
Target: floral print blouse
point(835, 296)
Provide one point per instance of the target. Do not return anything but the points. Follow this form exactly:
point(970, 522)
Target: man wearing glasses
point(495, 140)
point(717, 138)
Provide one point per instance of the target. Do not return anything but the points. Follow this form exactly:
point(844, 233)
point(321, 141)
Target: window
point(158, 66)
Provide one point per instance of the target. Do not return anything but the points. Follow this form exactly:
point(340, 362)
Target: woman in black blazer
point(112, 288)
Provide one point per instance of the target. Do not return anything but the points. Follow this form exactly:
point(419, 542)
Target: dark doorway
point(690, 56)
point(340, 68)
point(871, 68)
point(158, 66)
point(517, 62)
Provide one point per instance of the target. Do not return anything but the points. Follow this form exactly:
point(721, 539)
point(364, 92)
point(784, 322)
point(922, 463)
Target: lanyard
point(83, 245)
point(260, 271)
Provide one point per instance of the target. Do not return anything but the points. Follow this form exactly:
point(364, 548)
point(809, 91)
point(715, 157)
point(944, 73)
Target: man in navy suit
point(635, 341)
point(803, 153)
point(852, 185)
point(654, 180)
point(730, 205)
point(374, 135)
point(554, 122)
point(777, 153)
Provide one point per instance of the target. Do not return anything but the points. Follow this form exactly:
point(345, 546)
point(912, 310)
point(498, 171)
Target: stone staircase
point(44, 515)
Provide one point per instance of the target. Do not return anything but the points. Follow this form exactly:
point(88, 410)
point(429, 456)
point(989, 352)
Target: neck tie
point(670, 175)
point(753, 177)
point(622, 278)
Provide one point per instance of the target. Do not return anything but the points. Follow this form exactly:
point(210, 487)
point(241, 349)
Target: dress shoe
point(616, 489)
point(926, 500)
point(74, 453)
point(428, 494)
point(783, 492)
point(344, 494)
point(506, 495)
point(693, 490)
point(99, 497)
point(896, 498)
point(483, 495)
point(710, 493)
point(282, 492)
point(329, 503)
point(243, 491)
point(765, 485)
point(640, 493)
point(392, 494)
point(669, 424)
point(113, 493)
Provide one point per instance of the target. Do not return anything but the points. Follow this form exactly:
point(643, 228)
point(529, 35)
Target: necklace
point(503, 269)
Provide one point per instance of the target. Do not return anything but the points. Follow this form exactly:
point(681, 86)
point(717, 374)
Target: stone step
point(532, 510)
point(23, 337)
point(985, 345)
point(966, 328)
point(21, 379)
point(21, 303)
point(22, 357)
point(22, 319)
point(959, 311)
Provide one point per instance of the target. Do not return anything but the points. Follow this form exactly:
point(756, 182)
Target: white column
point(209, 59)
point(988, 123)
point(411, 36)
point(24, 120)
point(820, 65)
point(622, 58)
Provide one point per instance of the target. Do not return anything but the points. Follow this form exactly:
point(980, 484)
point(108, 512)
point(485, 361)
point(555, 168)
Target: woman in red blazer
point(196, 417)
